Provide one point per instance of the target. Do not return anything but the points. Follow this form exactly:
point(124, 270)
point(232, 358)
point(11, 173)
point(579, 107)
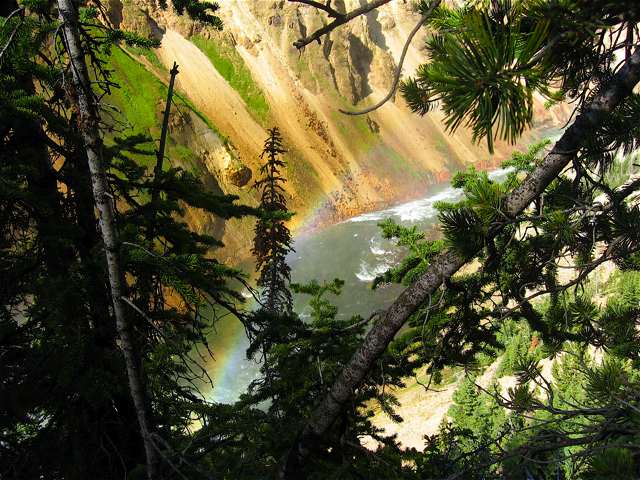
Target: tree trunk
point(448, 262)
point(89, 130)
point(157, 171)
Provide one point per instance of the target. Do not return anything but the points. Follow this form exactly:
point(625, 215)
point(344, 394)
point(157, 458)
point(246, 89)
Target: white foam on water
point(368, 217)
point(376, 247)
point(368, 273)
point(411, 212)
point(424, 208)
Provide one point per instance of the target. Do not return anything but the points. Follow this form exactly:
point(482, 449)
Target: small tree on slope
point(272, 241)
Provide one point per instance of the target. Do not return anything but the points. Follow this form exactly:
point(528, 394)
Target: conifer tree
point(272, 241)
point(58, 329)
point(86, 104)
point(303, 357)
point(488, 60)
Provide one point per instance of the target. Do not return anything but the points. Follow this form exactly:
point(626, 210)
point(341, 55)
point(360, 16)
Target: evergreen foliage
point(416, 261)
point(488, 59)
point(302, 357)
point(272, 240)
point(528, 295)
point(203, 12)
point(66, 408)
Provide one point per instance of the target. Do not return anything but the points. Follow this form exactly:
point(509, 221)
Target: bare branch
point(398, 72)
point(333, 13)
point(15, 12)
point(163, 135)
point(341, 19)
point(14, 31)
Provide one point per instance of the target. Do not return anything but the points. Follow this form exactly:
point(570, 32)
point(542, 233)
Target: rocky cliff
point(249, 77)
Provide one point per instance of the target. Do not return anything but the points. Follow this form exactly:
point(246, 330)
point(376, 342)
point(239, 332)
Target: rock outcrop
point(338, 165)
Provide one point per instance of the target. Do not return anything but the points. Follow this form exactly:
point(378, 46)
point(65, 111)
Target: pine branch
point(449, 262)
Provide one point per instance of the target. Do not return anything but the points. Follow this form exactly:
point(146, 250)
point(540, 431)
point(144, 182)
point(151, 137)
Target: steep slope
point(250, 77)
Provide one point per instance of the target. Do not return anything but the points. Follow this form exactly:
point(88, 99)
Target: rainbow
point(229, 368)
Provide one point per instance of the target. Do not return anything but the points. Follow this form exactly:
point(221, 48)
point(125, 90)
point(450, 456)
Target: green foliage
point(612, 463)
point(230, 65)
point(488, 60)
point(419, 252)
point(203, 12)
point(272, 241)
point(134, 104)
point(150, 55)
point(473, 317)
point(466, 224)
point(57, 328)
point(321, 308)
point(476, 413)
point(484, 74)
point(520, 345)
point(301, 359)
point(137, 94)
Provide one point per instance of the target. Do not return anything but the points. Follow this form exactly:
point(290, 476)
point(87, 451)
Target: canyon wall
point(249, 77)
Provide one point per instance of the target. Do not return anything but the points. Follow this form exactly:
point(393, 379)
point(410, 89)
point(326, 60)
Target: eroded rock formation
point(338, 165)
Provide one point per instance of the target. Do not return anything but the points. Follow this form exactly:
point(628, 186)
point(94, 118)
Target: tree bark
point(449, 262)
point(89, 130)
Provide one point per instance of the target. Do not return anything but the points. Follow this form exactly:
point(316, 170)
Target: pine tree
point(303, 357)
point(58, 331)
point(488, 60)
point(272, 241)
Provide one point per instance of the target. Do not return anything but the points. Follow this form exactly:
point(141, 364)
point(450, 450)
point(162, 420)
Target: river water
point(353, 251)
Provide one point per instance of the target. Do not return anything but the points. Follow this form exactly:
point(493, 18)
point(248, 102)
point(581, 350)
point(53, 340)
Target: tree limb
point(333, 13)
point(340, 19)
point(14, 31)
point(163, 134)
point(398, 72)
point(449, 262)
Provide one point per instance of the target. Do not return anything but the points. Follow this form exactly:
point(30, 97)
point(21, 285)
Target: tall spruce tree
point(272, 241)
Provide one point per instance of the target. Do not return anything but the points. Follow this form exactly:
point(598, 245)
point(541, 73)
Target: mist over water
point(354, 251)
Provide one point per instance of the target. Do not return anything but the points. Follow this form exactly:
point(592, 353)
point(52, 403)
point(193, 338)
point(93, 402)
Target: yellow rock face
point(338, 165)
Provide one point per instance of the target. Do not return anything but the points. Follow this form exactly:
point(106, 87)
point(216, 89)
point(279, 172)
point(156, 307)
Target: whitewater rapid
point(381, 253)
point(424, 208)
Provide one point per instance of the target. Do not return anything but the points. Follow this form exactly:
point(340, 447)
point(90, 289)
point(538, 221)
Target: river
point(353, 251)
